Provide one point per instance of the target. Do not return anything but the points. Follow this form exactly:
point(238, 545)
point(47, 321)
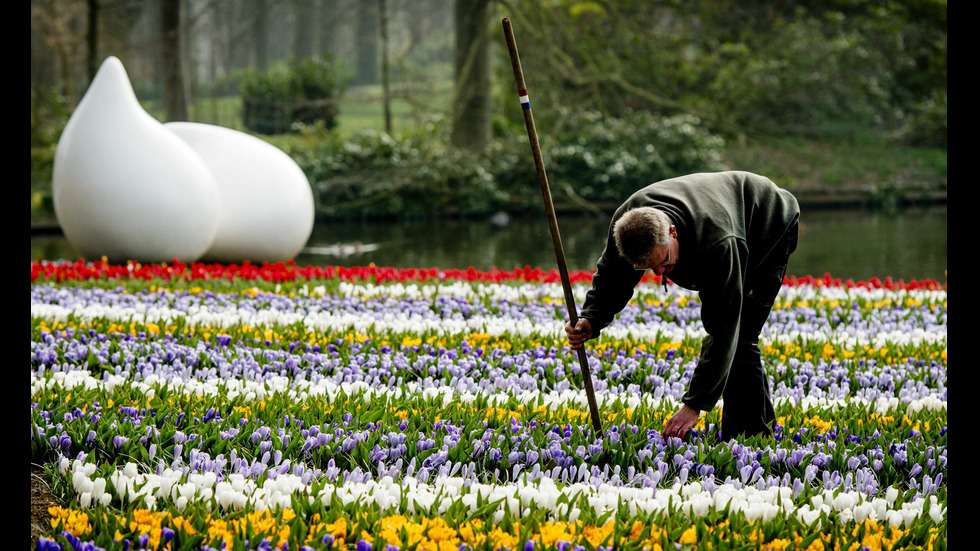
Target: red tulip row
point(82, 270)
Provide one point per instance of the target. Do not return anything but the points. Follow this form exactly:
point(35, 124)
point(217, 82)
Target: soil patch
point(41, 500)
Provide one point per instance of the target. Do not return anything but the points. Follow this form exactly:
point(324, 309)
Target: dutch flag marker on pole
point(525, 102)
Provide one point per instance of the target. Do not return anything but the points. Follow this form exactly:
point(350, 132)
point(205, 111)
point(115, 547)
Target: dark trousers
point(747, 408)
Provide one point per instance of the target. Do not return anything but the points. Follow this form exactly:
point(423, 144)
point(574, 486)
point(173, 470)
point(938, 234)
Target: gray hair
point(639, 231)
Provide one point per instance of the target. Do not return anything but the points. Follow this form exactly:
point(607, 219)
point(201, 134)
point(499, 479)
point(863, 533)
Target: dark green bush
point(745, 68)
point(42, 167)
point(49, 114)
point(602, 160)
point(373, 174)
point(809, 72)
point(927, 126)
point(304, 91)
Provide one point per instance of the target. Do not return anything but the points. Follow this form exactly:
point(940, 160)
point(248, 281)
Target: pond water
point(849, 244)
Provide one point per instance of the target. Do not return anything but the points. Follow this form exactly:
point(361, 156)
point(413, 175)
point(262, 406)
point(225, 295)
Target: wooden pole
point(552, 218)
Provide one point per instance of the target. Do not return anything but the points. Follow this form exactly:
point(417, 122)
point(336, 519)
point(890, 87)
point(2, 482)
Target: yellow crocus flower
point(502, 539)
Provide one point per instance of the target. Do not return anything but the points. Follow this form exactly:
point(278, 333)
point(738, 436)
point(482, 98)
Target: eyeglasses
point(663, 264)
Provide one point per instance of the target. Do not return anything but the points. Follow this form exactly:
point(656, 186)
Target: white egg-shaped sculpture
point(266, 204)
point(124, 186)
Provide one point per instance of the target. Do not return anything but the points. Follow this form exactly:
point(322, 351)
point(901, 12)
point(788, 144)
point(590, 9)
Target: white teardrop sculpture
point(124, 186)
point(266, 204)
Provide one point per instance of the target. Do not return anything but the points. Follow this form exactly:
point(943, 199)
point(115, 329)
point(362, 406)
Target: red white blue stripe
point(525, 102)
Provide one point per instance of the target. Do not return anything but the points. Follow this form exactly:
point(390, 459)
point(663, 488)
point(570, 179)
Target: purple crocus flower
point(44, 544)
point(72, 540)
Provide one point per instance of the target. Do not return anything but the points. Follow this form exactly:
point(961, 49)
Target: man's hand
point(579, 334)
point(681, 422)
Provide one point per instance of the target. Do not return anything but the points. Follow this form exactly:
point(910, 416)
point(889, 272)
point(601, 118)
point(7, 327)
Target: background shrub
point(600, 159)
point(304, 91)
point(603, 159)
point(373, 174)
point(927, 125)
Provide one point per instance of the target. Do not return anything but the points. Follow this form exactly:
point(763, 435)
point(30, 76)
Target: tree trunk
point(304, 11)
point(367, 43)
point(331, 12)
point(259, 38)
point(92, 39)
point(471, 106)
point(174, 99)
point(383, 11)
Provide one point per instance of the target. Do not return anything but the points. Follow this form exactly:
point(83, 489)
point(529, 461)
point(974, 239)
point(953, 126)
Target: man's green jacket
point(727, 225)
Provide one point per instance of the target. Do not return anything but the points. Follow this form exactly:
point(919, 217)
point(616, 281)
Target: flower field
point(246, 407)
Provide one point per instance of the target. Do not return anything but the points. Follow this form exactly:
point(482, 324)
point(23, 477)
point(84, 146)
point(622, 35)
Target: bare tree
point(304, 22)
point(57, 43)
point(366, 69)
point(386, 90)
point(174, 98)
point(329, 25)
point(92, 38)
point(471, 106)
point(260, 35)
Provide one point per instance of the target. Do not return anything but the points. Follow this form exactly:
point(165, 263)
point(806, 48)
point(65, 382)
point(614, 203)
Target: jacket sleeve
point(721, 308)
point(612, 288)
